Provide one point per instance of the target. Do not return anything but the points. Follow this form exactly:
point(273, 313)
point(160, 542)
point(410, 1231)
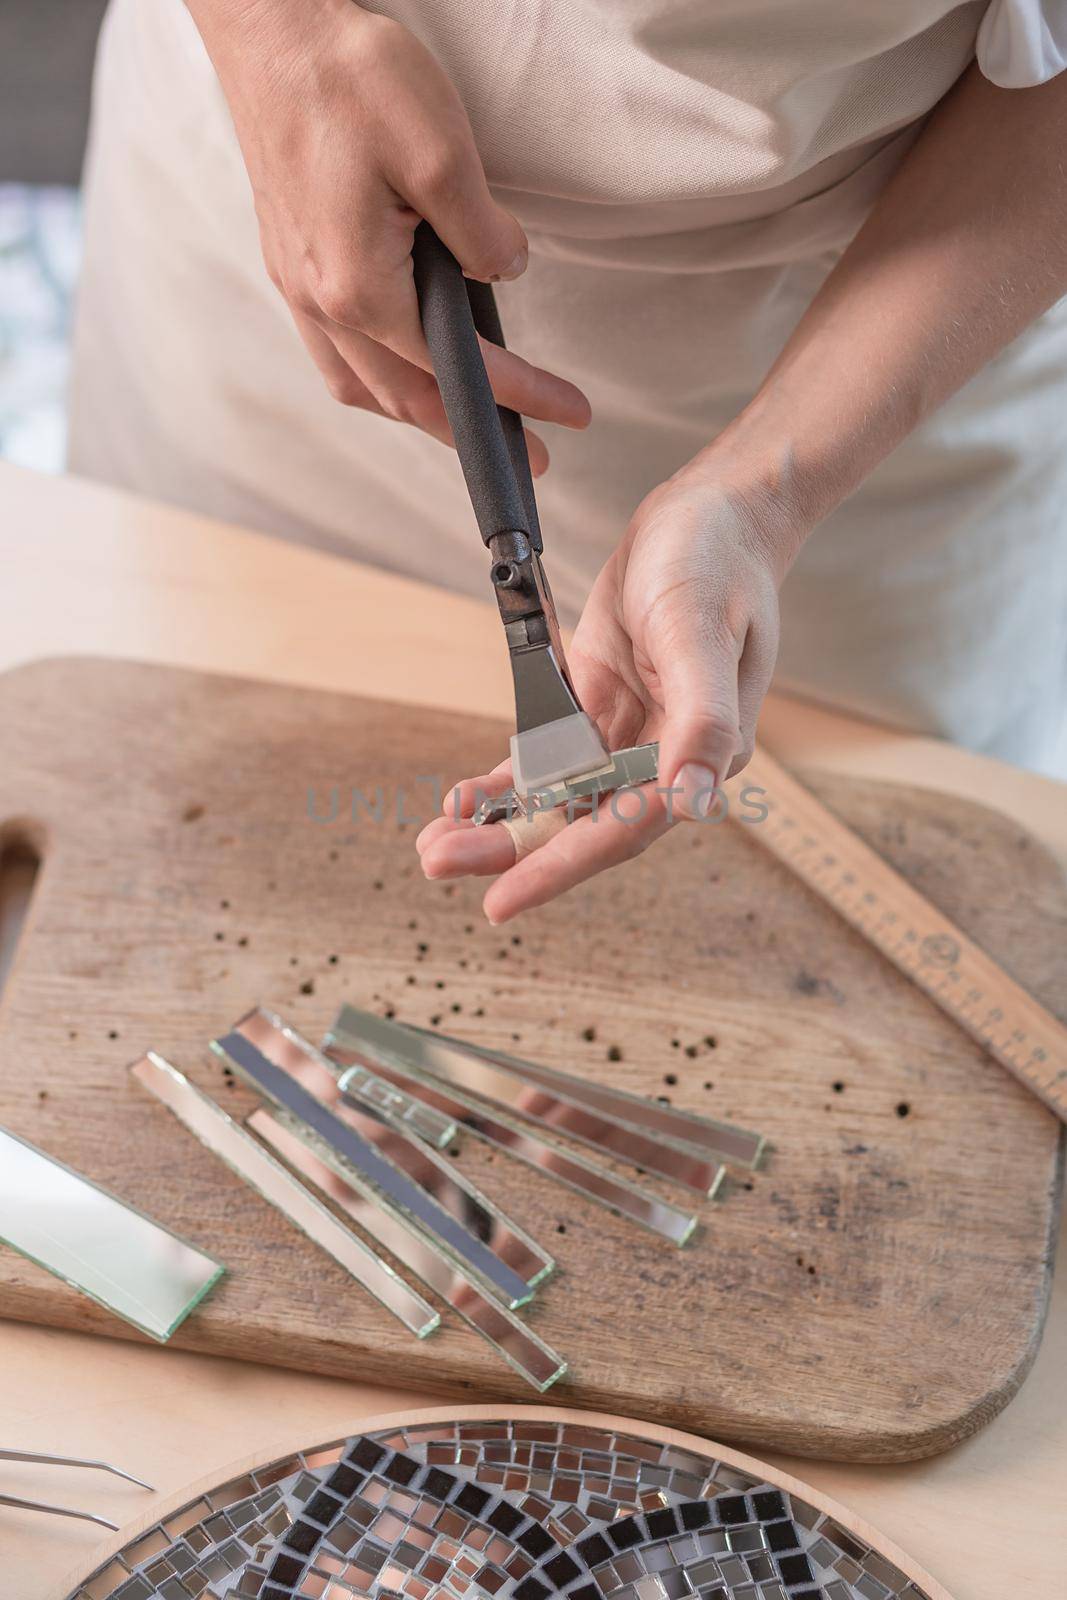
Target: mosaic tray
point(520, 1508)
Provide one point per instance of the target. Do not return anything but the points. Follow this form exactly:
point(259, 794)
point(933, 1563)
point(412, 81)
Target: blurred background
point(46, 62)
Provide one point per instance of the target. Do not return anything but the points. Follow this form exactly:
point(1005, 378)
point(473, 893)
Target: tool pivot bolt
point(506, 575)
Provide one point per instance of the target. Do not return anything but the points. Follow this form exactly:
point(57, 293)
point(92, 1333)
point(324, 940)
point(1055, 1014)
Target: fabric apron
point(688, 171)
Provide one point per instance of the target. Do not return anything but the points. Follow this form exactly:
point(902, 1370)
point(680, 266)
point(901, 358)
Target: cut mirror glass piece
point(437, 1176)
point(385, 1180)
point(389, 1043)
point(95, 1242)
point(248, 1159)
point(723, 1140)
point(522, 1349)
point(289, 1050)
point(585, 1178)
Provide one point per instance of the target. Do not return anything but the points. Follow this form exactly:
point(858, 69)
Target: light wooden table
point(86, 570)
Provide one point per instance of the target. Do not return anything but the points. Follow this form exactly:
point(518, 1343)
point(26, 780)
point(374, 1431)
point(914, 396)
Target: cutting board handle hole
point(20, 865)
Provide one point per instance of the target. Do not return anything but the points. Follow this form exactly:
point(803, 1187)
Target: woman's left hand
point(677, 642)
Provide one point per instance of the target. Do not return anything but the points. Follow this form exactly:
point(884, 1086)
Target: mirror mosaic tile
point(97, 1243)
point(517, 1509)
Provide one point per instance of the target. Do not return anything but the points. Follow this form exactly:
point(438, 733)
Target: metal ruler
point(936, 955)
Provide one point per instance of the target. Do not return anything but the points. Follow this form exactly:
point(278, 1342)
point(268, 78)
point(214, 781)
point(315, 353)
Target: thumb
point(486, 240)
point(701, 732)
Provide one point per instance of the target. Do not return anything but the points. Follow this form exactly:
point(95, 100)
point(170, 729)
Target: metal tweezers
point(64, 1461)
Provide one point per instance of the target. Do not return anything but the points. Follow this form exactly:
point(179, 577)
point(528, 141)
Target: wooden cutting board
point(875, 1293)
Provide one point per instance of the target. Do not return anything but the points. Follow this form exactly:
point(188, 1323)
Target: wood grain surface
point(875, 1293)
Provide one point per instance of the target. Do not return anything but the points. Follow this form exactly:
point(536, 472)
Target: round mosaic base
point(516, 1509)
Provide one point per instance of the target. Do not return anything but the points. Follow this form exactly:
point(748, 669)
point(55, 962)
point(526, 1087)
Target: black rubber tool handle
point(489, 438)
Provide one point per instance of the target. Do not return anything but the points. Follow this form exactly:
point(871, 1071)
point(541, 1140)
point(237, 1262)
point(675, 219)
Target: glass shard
point(246, 1157)
point(583, 1176)
point(98, 1244)
point(460, 1068)
point(287, 1049)
point(723, 1140)
point(440, 1179)
point(521, 1348)
point(386, 1183)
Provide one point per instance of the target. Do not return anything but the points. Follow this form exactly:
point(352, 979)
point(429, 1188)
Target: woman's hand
point(966, 246)
point(351, 133)
point(677, 643)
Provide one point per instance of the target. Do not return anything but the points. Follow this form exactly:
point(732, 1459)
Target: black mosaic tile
point(733, 1508)
point(323, 1507)
point(366, 1453)
point(594, 1550)
point(624, 1535)
point(661, 1524)
point(303, 1537)
point(768, 1504)
point(400, 1470)
point(795, 1569)
point(561, 1570)
point(504, 1518)
point(344, 1480)
point(287, 1569)
point(437, 1482)
point(472, 1499)
point(536, 1542)
point(531, 1589)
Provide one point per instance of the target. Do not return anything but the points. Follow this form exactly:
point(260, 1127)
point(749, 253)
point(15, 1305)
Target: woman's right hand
point(351, 133)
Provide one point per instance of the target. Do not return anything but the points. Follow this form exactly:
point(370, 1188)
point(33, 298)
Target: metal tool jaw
point(624, 769)
point(554, 738)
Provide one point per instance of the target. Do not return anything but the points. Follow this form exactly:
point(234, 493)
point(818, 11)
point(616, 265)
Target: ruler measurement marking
point(872, 897)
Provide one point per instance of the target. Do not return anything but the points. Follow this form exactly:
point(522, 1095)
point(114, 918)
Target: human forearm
point(965, 248)
point(235, 31)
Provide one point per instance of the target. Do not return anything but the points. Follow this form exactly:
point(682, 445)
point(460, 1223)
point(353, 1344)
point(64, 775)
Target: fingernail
point(697, 785)
point(516, 269)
